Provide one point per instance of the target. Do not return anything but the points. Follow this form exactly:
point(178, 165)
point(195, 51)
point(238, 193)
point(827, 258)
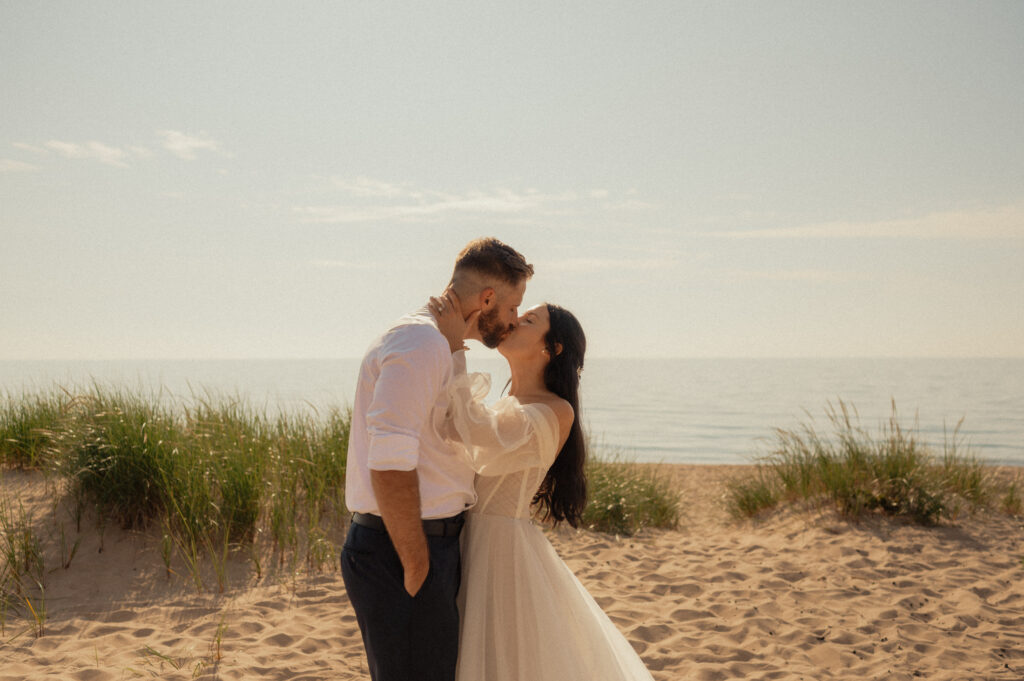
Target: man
point(404, 484)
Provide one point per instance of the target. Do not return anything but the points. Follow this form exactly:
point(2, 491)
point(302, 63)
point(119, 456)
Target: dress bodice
point(510, 494)
point(510, 445)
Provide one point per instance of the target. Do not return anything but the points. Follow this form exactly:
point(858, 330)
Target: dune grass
point(22, 568)
point(624, 497)
point(213, 474)
point(26, 427)
point(858, 473)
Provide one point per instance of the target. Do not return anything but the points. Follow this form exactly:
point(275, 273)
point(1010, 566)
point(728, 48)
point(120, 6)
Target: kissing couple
point(448, 574)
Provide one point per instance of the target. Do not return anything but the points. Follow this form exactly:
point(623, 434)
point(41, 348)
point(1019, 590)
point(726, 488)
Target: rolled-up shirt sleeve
point(415, 367)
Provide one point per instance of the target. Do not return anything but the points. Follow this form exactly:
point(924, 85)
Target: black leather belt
point(439, 527)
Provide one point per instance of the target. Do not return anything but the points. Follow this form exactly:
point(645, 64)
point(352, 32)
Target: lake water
point(654, 410)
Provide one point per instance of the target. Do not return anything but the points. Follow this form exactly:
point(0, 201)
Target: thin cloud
point(376, 201)
point(179, 144)
point(8, 165)
point(363, 186)
point(795, 275)
point(370, 200)
point(1004, 222)
point(106, 154)
point(96, 151)
point(633, 205)
point(29, 147)
point(346, 265)
point(184, 145)
point(578, 265)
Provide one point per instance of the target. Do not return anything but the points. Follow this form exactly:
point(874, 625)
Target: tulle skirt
point(525, 616)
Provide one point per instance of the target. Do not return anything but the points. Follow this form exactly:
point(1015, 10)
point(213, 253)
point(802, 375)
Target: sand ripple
point(797, 597)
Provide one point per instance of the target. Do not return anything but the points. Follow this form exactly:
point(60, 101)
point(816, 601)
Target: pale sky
point(728, 179)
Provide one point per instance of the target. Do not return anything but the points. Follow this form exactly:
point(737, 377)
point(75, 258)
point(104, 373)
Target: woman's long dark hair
point(563, 494)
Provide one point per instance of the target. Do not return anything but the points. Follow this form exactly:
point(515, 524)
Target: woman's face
point(528, 337)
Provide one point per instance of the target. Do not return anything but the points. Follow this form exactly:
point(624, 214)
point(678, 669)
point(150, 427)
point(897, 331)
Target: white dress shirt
point(398, 417)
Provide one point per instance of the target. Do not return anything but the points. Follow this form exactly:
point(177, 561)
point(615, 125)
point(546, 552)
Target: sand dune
point(796, 597)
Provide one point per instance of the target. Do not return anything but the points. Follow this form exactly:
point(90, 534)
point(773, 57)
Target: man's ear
point(488, 298)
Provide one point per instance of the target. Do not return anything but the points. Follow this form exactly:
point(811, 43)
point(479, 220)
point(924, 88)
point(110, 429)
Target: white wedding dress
point(525, 616)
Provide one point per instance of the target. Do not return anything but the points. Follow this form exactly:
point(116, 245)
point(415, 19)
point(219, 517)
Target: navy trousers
point(405, 637)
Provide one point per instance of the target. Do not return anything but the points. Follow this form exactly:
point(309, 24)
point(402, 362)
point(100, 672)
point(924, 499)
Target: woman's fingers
point(438, 304)
point(452, 299)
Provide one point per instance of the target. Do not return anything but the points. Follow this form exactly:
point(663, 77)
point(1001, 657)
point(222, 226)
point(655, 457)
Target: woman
point(524, 614)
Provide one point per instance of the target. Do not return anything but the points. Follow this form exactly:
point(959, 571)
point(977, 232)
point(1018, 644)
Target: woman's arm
point(504, 437)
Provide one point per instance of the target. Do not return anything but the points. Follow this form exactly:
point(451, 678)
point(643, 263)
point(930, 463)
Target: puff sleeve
point(501, 438)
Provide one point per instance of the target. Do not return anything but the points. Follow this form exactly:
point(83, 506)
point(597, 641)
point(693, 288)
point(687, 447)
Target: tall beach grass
point(213, 474)
point(859, 473)
point(22, 568)
point(625, 497)
point(26, 427)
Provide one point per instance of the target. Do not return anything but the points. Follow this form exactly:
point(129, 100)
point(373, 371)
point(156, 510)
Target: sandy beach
point(795, 596)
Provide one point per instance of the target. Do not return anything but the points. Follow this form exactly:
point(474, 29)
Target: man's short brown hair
point(493, 259)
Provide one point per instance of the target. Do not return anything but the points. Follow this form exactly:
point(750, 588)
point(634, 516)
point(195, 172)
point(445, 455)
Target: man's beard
point(492, 331)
